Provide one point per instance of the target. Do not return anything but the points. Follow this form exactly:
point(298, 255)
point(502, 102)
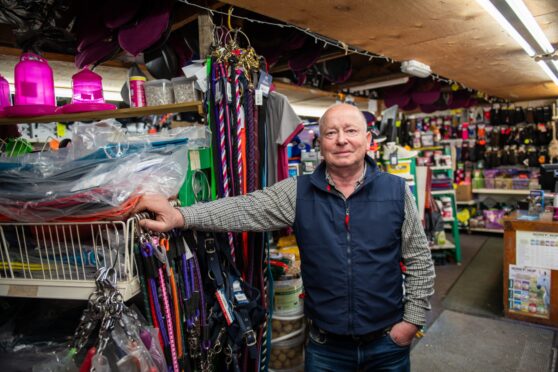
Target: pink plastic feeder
point(4, 94)
point(34, 87)
point(34, 81)
point(87, 87)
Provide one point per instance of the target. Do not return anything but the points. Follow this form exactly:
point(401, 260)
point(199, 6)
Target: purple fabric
point(426, 92)
point(427, 108)
point(147, 31)
point(425, 98)
point(294, 42)
point(96, 53)
point(370, 118)
point(181, 48)
point(460, 99)
point(337, 70)
point(397, 90)
point(89, 26)
point(447, 97)
point(119, 13)
point(306, 57)
point(410, 106)
point(401, 100)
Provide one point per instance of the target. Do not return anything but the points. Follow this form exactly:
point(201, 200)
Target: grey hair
point(321, 121)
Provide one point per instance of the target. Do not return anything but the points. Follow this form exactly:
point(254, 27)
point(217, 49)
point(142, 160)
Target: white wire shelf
point(448, 245)
point(482, 229)
point(501, 191)
point(60, 260)
point(444, 167)
point(468, 202)
point(442, 192)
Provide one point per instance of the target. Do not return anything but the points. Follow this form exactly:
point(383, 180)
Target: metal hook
point(46, 142)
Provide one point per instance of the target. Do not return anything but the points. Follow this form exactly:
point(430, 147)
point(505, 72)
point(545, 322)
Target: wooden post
point(205, 30)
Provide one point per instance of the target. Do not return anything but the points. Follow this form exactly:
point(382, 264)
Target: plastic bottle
point(4, 93)
point(136, 83)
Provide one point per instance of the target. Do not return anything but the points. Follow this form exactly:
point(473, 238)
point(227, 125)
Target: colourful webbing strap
point(210, 103)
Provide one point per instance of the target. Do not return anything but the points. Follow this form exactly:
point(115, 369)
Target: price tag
point(229, 92)
point(195, 162)
point(259, 97)
point(188, 250)
point(218, 92)
point(264, 83)
point(60, 130)
point(372, 105)
point(239, 295)
point(224, 305)
point(393, 158)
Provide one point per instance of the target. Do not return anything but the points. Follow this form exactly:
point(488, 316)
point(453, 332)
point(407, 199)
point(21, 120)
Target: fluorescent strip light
point(490, 8)
point(525, 16)
point(379, 84)
point(548, 71)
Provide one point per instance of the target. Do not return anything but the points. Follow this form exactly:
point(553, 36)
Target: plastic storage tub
point(284, 327)
point(287, 354)
point(159, 92)
point(184, 90)
point(286, 294)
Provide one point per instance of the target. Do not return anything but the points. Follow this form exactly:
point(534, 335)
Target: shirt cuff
point(187, 216)
point(414, 314)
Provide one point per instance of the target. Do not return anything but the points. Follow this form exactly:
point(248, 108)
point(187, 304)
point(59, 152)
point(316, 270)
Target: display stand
point(531, 269)
point(456, 246)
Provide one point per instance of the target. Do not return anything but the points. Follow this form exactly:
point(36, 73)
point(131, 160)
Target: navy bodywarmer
point(350, 251)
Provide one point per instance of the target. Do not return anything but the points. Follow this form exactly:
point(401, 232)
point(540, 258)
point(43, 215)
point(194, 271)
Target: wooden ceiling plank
point(187, 14)
point(60, 57)
point(457, 38)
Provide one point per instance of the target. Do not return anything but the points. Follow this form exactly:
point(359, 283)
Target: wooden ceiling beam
point(326, 57)
point(185, 14)
point(61, 57)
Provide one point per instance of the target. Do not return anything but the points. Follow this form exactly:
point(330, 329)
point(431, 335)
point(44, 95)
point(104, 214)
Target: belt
point(365, 338)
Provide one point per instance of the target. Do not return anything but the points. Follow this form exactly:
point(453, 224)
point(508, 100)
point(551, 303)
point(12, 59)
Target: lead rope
point(224, 138)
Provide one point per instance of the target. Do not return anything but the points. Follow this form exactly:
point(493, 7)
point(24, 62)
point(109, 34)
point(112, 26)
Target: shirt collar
point(358, 183)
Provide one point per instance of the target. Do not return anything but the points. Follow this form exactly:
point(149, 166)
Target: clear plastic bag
point(100, 176)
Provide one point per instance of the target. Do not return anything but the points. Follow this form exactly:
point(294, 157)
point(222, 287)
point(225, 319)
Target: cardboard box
point(464, 192)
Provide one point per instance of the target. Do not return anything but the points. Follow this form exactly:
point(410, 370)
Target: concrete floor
point(458, 342)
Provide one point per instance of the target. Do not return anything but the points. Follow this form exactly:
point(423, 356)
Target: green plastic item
point(17, 146)
point(197, 185)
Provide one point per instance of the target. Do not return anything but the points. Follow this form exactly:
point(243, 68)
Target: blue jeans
point(381, 354)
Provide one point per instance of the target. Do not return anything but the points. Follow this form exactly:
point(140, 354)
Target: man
point(355, 226)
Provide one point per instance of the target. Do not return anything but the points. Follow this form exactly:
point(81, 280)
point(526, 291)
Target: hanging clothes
point(282, 124)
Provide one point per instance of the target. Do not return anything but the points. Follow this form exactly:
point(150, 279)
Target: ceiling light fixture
point(416, 68)
point(548, 71)
point(494, 12)
point(379, 84)
point(525, 16)
point(520, 24)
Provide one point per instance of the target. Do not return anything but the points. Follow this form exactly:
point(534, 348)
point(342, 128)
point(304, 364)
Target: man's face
point(343, 137)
